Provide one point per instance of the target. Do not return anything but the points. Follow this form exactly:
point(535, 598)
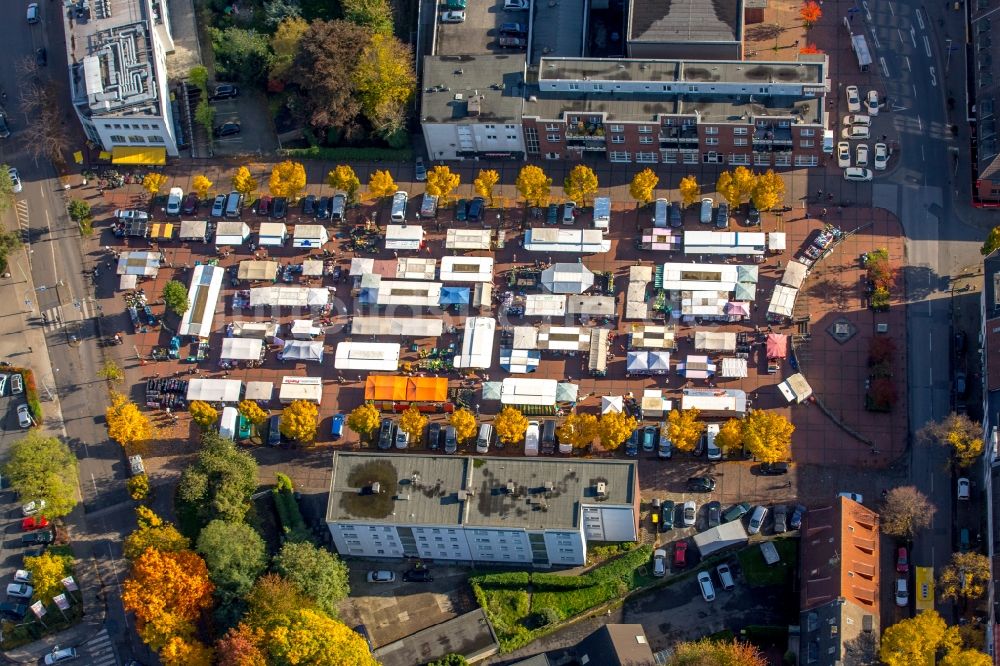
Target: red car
point(264, 206)
point(34, 523)
point(902, 561)
point(680, 554)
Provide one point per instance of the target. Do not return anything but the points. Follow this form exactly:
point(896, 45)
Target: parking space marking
point(927, 46)
point(913, 37)
point(907, 61)
point(885, 67)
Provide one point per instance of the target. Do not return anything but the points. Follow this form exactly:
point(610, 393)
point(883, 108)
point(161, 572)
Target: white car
point(454, 16)
point(858, 119)
point(33, 13)
point(58, 656)
point(871, 103)
point(402, 439)
point(853, 99)
point(902, 593)
point(659, 562)
point(219, 205)
point(690, 513)
point(516, 5)
point(757, 519)
point(964, 488)
point(174, 201)
point(419, 170)
point(706, 587)
point(15, 180)
point(33, 507)
point(843, 154)
point(382, 576)
point(20, 590)
point(881, 156)
point(24, 417)
point(22, 576)
point(857, 174)
point(856, 133)
point(862, 155)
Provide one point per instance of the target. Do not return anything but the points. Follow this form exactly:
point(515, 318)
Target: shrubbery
point(292, 523)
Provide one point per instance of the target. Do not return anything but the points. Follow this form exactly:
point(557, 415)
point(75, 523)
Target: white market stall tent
point(782, 301)
point(710, 304)
point(715, 341)
point(563, 338)
point(305, 329)
point(477, 343)
point(231, 233)
point(289, 297)
point(309, 389)
point(590, 306)
point(544, 305)
point(263, 330)
point(612, 403)
point(416, 268)
point(715, 400)
point(733, 367)
point(652, 337)
point(696, 367)
point(241, 349)
point(795, 274)
point(466, 269)
point(647, 363)
point(519, 361)
point(302, 350)
point(468, 239)
point(194, 230)
point(376, 291)
point(141, 264)
point(272, 233)
point(361, 266)
point(203, 297)
point(699, 277)
point(401, 327)
point(554, 239)
point(367, 356)
point(518, 391)
point(259, 391)
point(404, 237)
point(724, 242)
point(567, 278)
point(258, 270)
point(654, 404)
point(309, 236)
point(214, 390)
point(776, 241)
point(312, 268)
point(795, 388)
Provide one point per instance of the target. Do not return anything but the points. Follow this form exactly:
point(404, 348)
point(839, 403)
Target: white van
point(531, 439)
point(712, 452)
point(828, 142)
point(234, 203)
point(602, 213)
point(660, 210)
point(399, 200)
point(227, 424)
point(337, 206)
point(485, 436)
point(706, 210)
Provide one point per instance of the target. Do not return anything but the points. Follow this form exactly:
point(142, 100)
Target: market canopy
point(194, 230)
point(733, 367)
point(260, 391)
point(567, 392)
point(612, 403)
point(408, 327)
point(214, 390)
point(289, 296)
point(567, 278)
point(454, 296)
point(143, 264)
point(777, 345)
point(795, 388)
point(395, 388)
point(737, 309)
point(747, 273)
point(647, 362)
point(303, 350)
point(257, 270)
point(362, 266)
point(745, 291)
point(492, 390)
point(312, 268)
point(519, 361)
point(128, 282)
point(795, 273)
point(715, 340)
point(126, 155)
point(241, 349)
point(696, 367)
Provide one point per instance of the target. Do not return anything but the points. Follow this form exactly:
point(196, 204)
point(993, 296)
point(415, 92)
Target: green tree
point(376, 15)
point(219, 483)
point(198, 76)
point(9, 242)
point(138, 487)
point(450, 659)
point(175, 296)
point(43, 468)
point(6, 189)
point(111, 371)
point(285, 44)
point(316, 573)
point(204, 115)
point(384, 81)
point(235, 555)
point(241, 55)
point(78, 210)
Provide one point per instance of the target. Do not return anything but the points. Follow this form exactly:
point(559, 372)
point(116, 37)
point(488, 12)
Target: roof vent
point(602, 490)
point(476, 105)
point(549, 485)
point(459, 97)
point(510, 487)
point(402, 498)
point(462, 495)
point(376, 488)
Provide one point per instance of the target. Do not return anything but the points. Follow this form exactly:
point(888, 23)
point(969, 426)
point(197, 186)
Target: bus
point(924, 588)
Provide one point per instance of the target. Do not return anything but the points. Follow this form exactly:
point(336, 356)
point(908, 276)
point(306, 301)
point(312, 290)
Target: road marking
point(892, 9)
point(101, 650)
point(914, 89)
point(922, 156)
point(920, 124)
point(878, 45)
point(21, 211)
point(927, 46)
point(898, 32)
point(913, 37)
point(933, 78)
point(920, 20)
point(885, 67)
point(930, 376)
point(930, 337)
point(868, 14)
point(907, 61)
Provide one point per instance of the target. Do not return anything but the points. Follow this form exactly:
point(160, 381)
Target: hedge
point(292, 523)
point(501, 579)
point(351, 154)
point(30, 392)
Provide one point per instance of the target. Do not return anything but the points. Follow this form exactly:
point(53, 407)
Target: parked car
point(516, 5)
point(680, 554)
point(454, 16)
point(735, 512)
point(386, 434)
point(722, 216)
point(33, 14)
point(323, 208)
point(274, 431)
point(871, 103)
point(701, 484)
point(22, 576)
point(714, 510)
point(843, 154)
point(433, 436)
point(41, 56)
point(552, 214)
point(39, 538)
point(190, 204)
point(649, 438)
point(309, 205)
point(667, 515)
point(280, 208)
point(960, 384)
point(461, 210)
point(419, 170)
point(418, 576)
point(902, 560)
point(964, 488)
point(881, 156)
point(797, 515)
point(174, 200)
point(632, 444)
point(665, 450)
point(675, 215)
point(690, 510)
point(853, 99)
point(659, 562)
point(757, 520)
point(512, 43)
point(13, 610)
point(513, 29)
point(24, 416)
point(337, 426)
point(57, 656)
point(476, 207)
point(861, 153)
point(34, 523)
point(725, 575)
point(450, 440)
point(569, 212)
point(227, 129)
point(902, 593)
point(382, 576)
point(33, 507)
point(15, 180)
point(780, 519)
point(857, 174)
point(225, 91)
point(16, 384)
point(402, 439)
point(753, 217)
point(706, 587)
point(219, 205)
point(20, 590)
point(773, 469)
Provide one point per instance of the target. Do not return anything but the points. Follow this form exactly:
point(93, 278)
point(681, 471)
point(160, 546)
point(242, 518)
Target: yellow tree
point(768, 191)
point(244, 183)
point(510, 425)
point(916, 640)
point(154, 533)
point(343, 178)
point(642, 186)
point(47, 571)
point(154, 182)
point(203, 414)
point(485, 182)
point(708, 651)
point(614, 428)
point(744, 180)
point(111, 371)
point(581, 184)
point(186, 652)
point(965, 577)
point(689, 189)
point(298, 421)
point(412, 422)
point(288, 179)
point(966, 657)
point(464, 424)
point(730, 435)
point(381, 184)
point(201, 185)
point(578, 430)
point(384, 81)
point(126, 424)
point(727, 189)
point(252, 412)
point(441, 182)
point(364, 419)
point(960, 434)
point(767, 435)
point(285, 44)
point(534, 186)
point(684, 428)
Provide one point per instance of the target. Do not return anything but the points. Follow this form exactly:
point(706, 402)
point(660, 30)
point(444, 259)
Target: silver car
point(24, 417)
point(757, 520)
point(16, 384)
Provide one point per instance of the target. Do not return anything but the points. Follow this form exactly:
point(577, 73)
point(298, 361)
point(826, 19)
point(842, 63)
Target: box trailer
point(721, 537)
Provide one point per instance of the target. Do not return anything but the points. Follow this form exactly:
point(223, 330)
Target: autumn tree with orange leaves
point(168, 592)
point(810, 12)
point(810, 49)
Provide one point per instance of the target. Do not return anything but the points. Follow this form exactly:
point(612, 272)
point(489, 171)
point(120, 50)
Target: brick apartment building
point(984, 37)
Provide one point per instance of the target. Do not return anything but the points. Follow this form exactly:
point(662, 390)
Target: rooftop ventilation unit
point(511, 487)
point(602, 490)
point(376, 488)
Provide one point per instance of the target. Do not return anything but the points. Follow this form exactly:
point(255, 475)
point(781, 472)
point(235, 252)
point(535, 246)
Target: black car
point(190, 204)
point(4, 130)
point(552, 214)
point(701, 484)
point(796, 521)
point(323, 208)
point(40, 537)
point(227, 129)
point(773, 469)
point(722, 216)
point(434, 436)
point(225, 91)
point(513, 29)
point(274, 431)
point(386, 434)
point(667, 516)
point(714, 510)
point(461, 210)
point(753, 217)
point(309, 205)
point(960, 343)
point(280, 208)
point(675, 215)
point(418, 576)
point(41, 57)
point(476, 209)
point(13, 610)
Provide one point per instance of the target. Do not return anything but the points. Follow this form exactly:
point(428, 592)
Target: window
point(711, 141)
point(690, 157)
point(491, 137)
point(668, 156)
point(783, 159)
point(512, 137)
point(617, 156)
point(574, 86)
point(807, 132)
point(807, 144)
point(617, 138)
point(646, 139)
point(616, 128)
point(553, 138)
point(552, 128)
point(136, 138)
point(598, 86)
point(574, 120)
point(510, 127)
point(595, 120)
point(489, 127)
point(117, 125)
point(645, 129)
point(145, 126)
point(739, 142)
point(739, 159)
point(117, 138)
point(740, 131)
point(643, 158)
point(531, 139)
point(156, 138)
point(806, 160)
point(711, 130)
point(761, 159)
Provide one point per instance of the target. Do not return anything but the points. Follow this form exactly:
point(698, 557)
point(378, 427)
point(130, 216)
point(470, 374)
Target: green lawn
point(521, 605)
point(759, 574)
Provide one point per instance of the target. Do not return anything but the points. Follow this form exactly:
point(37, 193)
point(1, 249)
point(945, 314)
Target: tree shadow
point(920, 282)
point(760, 33)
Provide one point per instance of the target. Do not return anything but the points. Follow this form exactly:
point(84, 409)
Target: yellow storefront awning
point(127, 155)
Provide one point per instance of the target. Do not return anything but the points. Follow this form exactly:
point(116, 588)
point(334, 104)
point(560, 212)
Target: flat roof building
point(529, 511)
point(685, 28)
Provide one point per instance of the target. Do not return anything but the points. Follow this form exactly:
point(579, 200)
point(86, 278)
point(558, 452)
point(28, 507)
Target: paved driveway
point(257, 131)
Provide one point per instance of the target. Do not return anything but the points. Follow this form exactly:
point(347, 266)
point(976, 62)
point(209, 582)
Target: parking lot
point(479, 34)
point(256, 131)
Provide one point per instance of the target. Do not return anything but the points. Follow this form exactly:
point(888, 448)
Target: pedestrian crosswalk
point(100, 650)
point(57, 316)
point(21, 210)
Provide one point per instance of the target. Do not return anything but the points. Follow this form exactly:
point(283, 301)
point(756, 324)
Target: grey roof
point(469, 635)
point(616, 645)
point(530, 493)
point(698, 21)
point(838, 632)
point(497, 79)
point(680, 71)
point(985, 38)
point(557, 29)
